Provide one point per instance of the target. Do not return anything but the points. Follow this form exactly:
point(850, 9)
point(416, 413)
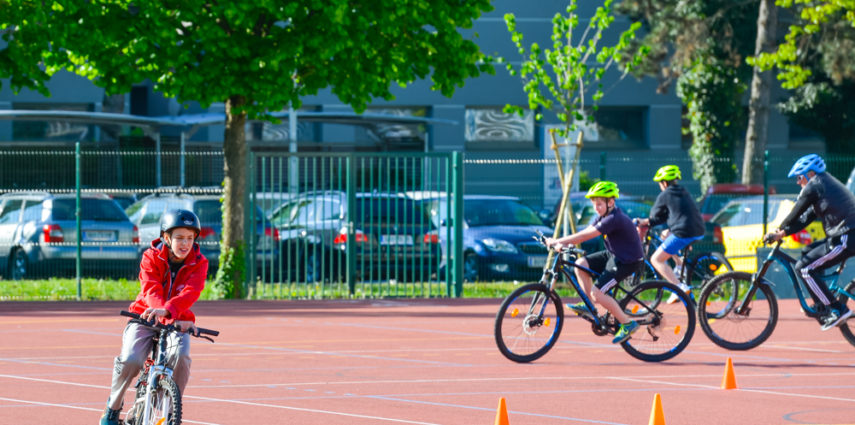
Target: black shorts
point(611, 270)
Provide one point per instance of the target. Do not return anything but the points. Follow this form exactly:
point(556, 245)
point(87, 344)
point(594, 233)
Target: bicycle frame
point(788, 263)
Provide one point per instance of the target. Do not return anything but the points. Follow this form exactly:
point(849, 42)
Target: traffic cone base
point(728, 382)
point(657, 417)
point(502, 413)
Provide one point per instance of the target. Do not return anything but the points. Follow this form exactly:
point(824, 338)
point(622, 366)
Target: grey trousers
point(136, 345)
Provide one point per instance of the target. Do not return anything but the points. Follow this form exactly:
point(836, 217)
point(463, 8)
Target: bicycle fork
point(154, 374)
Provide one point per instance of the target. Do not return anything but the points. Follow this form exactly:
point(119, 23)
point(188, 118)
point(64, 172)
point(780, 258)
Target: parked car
point(497, 237)
point(392, 236)
point(741, 222)
point(719, 194)
point(38, 236)
point(146, 214)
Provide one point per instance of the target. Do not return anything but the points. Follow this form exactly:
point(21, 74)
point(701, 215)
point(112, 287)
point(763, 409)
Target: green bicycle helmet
point(667, 173)
point(603, 189)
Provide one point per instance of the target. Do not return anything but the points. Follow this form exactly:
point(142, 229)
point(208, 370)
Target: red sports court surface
point(416, 362)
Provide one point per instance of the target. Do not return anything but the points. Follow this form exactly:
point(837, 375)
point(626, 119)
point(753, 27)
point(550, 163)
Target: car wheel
point(18, 265)
point(470, 267)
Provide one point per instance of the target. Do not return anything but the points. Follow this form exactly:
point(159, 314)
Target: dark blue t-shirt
point(620, 236)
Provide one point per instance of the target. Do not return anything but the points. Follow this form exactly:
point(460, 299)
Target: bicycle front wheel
point(666, 328)
point(849, 327)
point(730, 317)
point(528, 323)
point(164, 406)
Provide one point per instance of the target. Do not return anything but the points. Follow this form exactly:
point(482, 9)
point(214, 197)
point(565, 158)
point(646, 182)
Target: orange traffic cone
point(728, 382)
point(502, 413)
point(656, 415)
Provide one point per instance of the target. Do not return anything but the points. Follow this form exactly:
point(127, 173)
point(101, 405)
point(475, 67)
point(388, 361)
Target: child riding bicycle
point(822, 196)
point(675, 206)
point(622, 257)
point(172, 275)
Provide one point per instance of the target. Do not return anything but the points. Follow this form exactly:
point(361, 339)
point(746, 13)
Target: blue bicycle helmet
point(812, 162)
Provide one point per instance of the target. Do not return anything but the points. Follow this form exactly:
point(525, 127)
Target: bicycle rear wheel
point(849, 327)
point(528, 323)
point(733, 320)
point(666, 329)
point(165, 405)
point(705, 266)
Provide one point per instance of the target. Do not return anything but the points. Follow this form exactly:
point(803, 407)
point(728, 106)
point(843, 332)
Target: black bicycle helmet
point(174, 219)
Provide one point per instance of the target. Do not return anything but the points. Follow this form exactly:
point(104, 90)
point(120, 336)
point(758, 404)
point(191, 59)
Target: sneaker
point(834, 318)
point(110, 417)
point(674, 297)
point(580, 309)
point(625, 331)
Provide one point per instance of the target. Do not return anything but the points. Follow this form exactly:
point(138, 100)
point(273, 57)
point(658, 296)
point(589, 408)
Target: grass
point(56, 289)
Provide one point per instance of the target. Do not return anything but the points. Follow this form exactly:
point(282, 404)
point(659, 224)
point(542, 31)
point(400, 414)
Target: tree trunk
point(234, 185)
point(758, 105)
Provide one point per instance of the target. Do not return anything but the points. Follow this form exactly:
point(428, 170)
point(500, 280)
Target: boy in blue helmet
point(822, 196)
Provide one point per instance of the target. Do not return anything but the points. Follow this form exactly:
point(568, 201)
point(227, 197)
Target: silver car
point(38, 236)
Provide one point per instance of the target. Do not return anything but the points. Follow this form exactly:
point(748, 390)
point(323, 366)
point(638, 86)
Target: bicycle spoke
point(730, 317)
point(666, 328)
point(528, 323)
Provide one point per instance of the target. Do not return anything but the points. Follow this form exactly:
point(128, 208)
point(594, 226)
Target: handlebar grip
point(208, 332)
point(129, 314)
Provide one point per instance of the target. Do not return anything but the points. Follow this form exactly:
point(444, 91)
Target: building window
point(491, 124)
point(618, 127)
point(53, 131)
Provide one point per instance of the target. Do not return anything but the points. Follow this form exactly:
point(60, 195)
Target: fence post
point(350, 246)
point(457, 221)
point(249, 224)
point(765, 190)
point(77, 170)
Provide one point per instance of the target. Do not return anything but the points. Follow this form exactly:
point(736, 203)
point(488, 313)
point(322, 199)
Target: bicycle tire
point(526, 337)
point(719, 303)
point(671, 325)
point(705, 266)
point(848, 328)
point(165, 405)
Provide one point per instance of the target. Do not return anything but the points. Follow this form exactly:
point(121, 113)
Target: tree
point(255, 56)
point(562, 79)
point(701, 45)
point(758, 103)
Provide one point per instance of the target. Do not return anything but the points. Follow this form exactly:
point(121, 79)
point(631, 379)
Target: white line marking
point(748, 390)
point(67, 406)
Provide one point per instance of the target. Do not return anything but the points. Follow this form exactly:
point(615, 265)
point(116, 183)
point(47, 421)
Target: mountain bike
point(739, 311)
point(530, 319)
point(698, 268)
point(158, 400)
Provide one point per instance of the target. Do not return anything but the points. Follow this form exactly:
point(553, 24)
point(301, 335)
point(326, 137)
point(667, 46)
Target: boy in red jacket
point(172, 275)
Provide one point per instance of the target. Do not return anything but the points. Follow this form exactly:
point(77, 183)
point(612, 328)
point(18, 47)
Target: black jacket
point(676, 207)
point(825, 197)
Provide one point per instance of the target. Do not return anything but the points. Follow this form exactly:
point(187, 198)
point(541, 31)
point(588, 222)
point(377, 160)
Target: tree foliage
point(562, 78)
point(255, 56)
point(701, 45)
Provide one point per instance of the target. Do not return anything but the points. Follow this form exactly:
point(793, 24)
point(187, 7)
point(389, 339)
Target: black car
point(389, 235)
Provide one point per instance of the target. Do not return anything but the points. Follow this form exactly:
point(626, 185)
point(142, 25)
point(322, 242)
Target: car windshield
point(741, 213)
point(209, 213)
point(714, 202)
point(494, 212)
point(91, 209)
point(395, 210)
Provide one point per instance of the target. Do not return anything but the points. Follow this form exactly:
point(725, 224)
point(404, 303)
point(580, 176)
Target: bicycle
point(530, 319)
point(739, 311)
point(697, 269)
point(158, 400)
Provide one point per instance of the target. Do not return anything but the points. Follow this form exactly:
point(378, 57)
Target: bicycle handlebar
point(154, 324)
point(567, 249)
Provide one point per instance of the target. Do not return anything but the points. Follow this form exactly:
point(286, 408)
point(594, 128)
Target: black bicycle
point(739, 311)
point(158, 401)
point(530, 319)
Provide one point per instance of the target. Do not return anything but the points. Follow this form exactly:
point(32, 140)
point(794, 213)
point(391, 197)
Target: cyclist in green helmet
point(675, 206)
point(622, 257)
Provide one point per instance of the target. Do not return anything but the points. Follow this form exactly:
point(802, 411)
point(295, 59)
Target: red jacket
point(155, 282)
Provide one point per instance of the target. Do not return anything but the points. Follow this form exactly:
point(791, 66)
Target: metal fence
point(327, 225)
